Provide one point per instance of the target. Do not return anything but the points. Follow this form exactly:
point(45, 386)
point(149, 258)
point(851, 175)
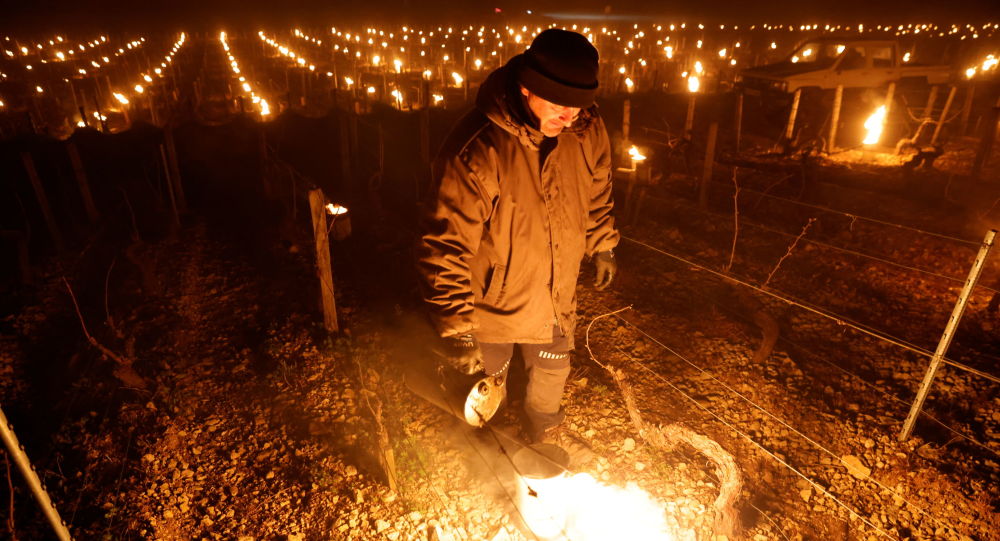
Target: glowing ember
point(874, 126)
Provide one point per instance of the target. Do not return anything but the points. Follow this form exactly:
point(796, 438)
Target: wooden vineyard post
point(949, 333)
point(706, 176)
point(626, 121)
point(739, 119)
point(175, 169)
point(43, 200)
point(264, 165)
point(970, 96)
point(944, 114)
point(889, 96)
point(988, 136)
point(81, 179)
point(23, 259)
point(16, 451)
point(170, 186)
point(790, 127)
point(689, 119)
point(931, 98)
point(838, 98)
point(317, 206)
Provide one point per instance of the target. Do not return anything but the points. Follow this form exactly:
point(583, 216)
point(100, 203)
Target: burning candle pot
point(557, 504)
point(340, 221)
point(541, 485)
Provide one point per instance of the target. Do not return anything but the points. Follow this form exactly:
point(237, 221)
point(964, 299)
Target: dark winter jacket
point(510, 216)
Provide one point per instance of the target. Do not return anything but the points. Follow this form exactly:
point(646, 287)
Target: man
point(521, 193)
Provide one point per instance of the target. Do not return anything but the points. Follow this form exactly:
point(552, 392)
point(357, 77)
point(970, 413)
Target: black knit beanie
point(560, 67)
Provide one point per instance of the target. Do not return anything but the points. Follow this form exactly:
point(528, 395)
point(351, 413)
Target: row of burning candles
point(94, 62)
point(262, 106)
point(145, 79)
point(58, 43)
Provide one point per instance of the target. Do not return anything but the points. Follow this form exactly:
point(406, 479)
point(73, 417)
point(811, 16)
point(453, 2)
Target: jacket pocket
point(494, 291)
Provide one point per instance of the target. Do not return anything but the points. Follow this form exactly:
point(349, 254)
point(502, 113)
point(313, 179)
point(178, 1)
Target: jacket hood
point(500, 99)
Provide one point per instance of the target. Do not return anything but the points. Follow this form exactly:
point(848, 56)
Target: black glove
point(606, 267)
point(462, 353)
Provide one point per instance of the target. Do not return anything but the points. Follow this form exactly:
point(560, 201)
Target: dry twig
point(10, 488)
point(736, 219)
point(791, 248)
point(123, 371)
point(727, 521)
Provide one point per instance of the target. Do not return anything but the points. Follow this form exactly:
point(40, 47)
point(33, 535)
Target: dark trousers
point(547, 367)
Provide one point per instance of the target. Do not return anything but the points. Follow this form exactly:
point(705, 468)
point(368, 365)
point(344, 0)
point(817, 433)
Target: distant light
point(694, 83)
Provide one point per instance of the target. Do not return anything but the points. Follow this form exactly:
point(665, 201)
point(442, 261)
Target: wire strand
point(734, 428)
point(759, 225)
point(840, 320)
point(854, 216)
point(781, 421)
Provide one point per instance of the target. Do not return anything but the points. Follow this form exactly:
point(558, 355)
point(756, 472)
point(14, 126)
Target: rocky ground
point(241, 419)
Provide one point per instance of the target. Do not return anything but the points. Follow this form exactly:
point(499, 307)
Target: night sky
point(124, 15)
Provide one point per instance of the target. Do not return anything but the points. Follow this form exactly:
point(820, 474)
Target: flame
point(593, 511)
point(874, 126)
point(634, 153)
point(457, 78)
point(694, 83)
point(629, 83)
point(336, 210)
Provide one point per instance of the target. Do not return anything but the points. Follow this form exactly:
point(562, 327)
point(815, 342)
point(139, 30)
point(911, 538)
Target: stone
point(856, 467)
point(628, 445)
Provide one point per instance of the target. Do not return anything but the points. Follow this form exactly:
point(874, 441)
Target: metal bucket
point(542, 484)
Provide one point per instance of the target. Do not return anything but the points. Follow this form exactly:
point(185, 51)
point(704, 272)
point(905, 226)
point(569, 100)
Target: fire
point(874, 126)
point(694, 83)
point(336, 210)
point(581, 508)
point(635, 154)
